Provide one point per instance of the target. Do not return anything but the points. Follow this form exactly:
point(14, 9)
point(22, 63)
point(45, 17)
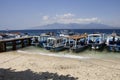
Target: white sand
point(29, 66)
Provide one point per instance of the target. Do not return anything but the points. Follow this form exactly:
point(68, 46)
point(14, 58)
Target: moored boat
point(43, 39)
point(55, 43)
point(76, 43)
point(113, 42)
point(96, 40)
point(35, 40)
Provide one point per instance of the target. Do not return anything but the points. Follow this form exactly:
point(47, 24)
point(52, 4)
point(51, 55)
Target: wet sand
point(22, 66)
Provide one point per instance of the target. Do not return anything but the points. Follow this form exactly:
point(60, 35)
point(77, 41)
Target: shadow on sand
point(8, 74)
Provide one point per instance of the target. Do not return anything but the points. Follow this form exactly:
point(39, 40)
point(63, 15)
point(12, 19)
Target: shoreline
point(56, 55)
point(30, 66)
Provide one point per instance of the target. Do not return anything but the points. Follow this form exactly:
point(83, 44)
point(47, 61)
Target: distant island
point(75, 26)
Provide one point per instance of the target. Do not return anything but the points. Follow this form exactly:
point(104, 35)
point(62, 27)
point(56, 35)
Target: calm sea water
point(107, 31)
point(38, 32)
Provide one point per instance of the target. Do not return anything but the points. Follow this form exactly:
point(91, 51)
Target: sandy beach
point(16, 65)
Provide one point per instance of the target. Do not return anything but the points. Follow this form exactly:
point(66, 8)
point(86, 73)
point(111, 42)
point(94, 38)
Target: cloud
point(45, 17)
point(69, 18)
point(67, 15)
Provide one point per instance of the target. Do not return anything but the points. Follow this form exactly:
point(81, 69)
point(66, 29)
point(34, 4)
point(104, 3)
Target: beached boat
point(113, 42)
point(96, 40)
point(55, 43)
point(76, 43)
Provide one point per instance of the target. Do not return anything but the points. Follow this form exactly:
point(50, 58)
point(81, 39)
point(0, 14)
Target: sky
point(24, 14)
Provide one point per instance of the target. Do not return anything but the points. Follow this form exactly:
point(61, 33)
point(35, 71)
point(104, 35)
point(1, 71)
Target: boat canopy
point(54, 38)
point(44, 34)
point(77, 37)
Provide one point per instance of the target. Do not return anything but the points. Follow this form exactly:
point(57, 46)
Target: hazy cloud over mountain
point(68, 18)
point(74, 26)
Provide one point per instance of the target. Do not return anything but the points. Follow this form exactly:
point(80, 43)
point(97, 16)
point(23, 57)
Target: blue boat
point(113, 42)
point(96, 40)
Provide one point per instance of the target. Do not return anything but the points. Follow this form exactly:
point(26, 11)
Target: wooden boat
point(76, 43)
point(113, 42)
point(96, 41)
point(55, 43)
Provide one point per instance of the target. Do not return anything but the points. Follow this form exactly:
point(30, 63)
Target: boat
point(12, 35)
point(55, 43)
point(1, 37)
point(35, 40)
point(66, 33)
point(113, 42)
point(76, 43)
point(43, 39)
point(96, 40)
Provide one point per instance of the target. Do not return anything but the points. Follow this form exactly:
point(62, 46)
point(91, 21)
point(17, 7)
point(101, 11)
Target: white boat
point(55, 43)
point(66, 33)
point(43, 39)
point(12, 35)
point(113, 42)
point(96, 41)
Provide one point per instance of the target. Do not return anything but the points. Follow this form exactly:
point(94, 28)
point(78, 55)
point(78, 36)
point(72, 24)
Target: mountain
point(75, 26)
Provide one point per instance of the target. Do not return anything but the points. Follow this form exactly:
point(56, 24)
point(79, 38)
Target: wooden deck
point(23, 41)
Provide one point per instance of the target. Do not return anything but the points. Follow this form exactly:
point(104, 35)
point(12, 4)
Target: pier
point(14, 43)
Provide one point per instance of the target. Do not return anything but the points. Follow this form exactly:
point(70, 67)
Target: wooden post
point(1, 47)
point(14, 44)
point(22, 43)
point(29, 41)
point(4, 46)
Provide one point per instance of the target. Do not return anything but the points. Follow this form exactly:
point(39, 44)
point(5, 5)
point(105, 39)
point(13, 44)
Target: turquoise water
point(86, 53)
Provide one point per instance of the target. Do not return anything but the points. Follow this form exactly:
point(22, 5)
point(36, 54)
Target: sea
point(89, 31)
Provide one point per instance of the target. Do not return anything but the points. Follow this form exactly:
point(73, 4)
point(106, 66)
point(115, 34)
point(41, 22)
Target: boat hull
point(115, 48)
point(96, 46)
point(60, 48)
point(78, 49)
